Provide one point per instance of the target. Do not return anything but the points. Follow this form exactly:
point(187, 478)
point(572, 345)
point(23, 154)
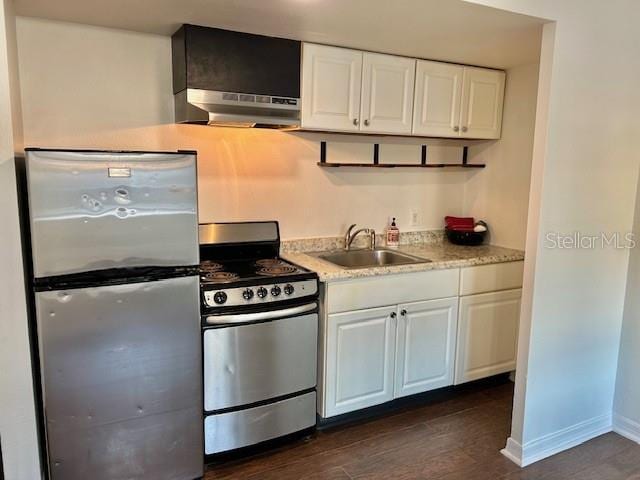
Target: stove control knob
point(247, 294)
point(288, 289)
point(275, 290)
point(262, 292)
point(220, 298)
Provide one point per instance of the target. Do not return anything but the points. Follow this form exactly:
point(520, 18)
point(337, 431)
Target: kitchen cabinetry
point(360, 359)
point(425, 345)
point(436, 110)
point(378, 354)
point(331, 84)
point(361, 92)
point(487, 335)
point(387, 94)
point(354, 91)
point(489, 315)
point(456, 101)
point(390, 336)
point(482, 98)
point(386, 337)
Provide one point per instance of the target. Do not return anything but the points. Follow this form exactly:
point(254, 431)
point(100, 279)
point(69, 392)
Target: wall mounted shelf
point(401, 165)
point(376, 161)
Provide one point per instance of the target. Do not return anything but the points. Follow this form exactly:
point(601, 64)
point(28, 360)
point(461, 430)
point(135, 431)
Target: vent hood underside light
point(229, 109)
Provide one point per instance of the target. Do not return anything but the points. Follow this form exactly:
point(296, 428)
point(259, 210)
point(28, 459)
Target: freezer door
point(97, 210)
point(122, 381)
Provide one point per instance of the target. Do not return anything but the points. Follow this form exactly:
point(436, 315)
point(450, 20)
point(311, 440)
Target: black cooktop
point(234, 272)
point(243, 254)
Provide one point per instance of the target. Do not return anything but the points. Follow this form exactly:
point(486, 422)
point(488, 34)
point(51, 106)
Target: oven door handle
point(259, 316)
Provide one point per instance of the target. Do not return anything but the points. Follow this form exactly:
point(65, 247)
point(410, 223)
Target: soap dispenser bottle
point(393, 235)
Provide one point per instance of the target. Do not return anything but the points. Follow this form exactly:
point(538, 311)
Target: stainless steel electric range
point(260, 329)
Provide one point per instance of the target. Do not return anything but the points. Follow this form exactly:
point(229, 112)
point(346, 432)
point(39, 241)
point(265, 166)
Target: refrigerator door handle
point(241, 318)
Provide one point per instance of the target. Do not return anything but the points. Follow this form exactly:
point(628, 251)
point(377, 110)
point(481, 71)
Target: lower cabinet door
point(425, 345)
point(360, 359)
point(487, 335)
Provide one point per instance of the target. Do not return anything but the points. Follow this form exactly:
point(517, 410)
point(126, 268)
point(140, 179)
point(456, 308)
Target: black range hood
point(230, 78)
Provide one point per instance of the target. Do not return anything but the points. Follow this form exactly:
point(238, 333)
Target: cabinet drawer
point(371, 292)
point(490, 278)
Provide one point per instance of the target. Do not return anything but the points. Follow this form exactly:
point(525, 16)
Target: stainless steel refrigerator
point(114, 253)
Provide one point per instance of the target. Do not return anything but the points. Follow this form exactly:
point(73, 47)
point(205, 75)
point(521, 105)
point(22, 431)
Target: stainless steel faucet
point(350, 237)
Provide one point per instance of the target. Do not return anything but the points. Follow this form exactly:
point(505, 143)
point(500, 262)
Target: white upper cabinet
point(352, 91)
point(387, 94)
point(436, 110)
point(458, 102)
point(482, 98)
point(331, 83)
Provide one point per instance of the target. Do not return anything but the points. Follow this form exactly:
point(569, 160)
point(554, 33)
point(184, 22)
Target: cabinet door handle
point(456, 128)
point(355, 121)
point(403, 312)
point(393, 314)
point(464, 129)
point(366, 122)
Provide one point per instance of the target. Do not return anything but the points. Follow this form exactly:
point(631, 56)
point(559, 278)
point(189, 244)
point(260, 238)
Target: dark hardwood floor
point(455, 439)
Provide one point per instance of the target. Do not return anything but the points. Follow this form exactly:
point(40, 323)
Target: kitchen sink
point(369, 258)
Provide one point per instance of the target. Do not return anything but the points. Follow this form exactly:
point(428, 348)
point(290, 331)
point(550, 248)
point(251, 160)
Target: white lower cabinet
point(425, 345)
point(360, 359)
point(487, 335)
point(378, 354)
point(391, 336)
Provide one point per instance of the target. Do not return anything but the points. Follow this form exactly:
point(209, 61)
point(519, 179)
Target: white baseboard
point(626, 427)
point(556, 442)
point(513, 451)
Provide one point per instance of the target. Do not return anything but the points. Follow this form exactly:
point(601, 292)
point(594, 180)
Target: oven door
point(253, 357)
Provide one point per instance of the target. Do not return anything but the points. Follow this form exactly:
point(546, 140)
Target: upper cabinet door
point(331, 82)
point(387, 94)
point(436, 111)
point(482, 98)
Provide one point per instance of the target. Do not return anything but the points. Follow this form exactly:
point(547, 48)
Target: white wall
point(500, 193)
point(17, 415)
point(112, 89)
point(572, 308)
point(627, 399)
